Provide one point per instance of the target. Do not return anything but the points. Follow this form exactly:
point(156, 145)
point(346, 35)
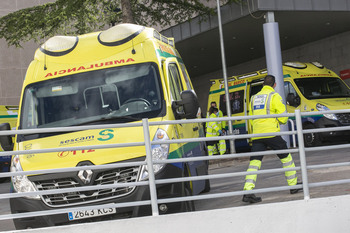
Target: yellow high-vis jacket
point(222, 124)
point(213, 127)
point(266, 102)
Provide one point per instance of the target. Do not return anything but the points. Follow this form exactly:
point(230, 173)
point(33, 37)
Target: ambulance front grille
point(118, 175)
point(344, 118)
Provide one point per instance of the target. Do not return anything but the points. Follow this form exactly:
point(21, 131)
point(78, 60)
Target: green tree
point(71, 17)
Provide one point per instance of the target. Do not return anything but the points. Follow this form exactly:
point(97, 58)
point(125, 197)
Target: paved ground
point(275, 180)
point(5, 208)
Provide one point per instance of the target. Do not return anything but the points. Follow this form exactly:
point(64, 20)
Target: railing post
point(302, 155)
point(151, 177)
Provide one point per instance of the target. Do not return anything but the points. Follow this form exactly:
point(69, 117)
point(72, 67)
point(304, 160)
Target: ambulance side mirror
point(187, 107)
point(293, 100)
point(6, 140)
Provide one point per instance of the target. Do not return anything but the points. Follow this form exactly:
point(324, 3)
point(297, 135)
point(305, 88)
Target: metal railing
point(149, 162)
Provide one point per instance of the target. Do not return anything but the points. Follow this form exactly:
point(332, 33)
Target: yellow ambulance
point(8, 120)
point(309, 87)
point(120, 75)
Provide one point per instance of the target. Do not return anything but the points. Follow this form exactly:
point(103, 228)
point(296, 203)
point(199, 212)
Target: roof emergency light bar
point(59, 45)
point(119, 34)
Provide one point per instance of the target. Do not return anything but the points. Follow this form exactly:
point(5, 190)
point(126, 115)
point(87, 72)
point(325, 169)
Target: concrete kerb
point(321, 215)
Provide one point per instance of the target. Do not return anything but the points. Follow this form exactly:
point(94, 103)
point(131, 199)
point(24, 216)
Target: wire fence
point(151, 183)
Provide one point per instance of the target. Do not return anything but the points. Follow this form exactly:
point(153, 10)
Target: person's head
point(213, 104)
point(270, 80)
point(213, 110)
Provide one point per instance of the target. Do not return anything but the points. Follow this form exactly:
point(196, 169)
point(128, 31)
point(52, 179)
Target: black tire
point(187, 206)
point(207, 182)
point(4, 179)
point(311, 139)
point(207, 186)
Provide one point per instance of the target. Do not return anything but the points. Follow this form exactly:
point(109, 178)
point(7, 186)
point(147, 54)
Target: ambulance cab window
point(255, 88)
point(292, 98)
point(175, 82)
point(113, 95)
point(187, 79)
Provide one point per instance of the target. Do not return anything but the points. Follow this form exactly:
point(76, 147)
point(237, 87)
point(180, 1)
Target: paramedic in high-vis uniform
point(214, 130)
point(220, 146)
point(266, 102)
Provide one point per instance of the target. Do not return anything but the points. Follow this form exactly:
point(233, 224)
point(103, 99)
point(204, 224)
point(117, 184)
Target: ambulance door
point(292, 97)
point(254, 88)
point(176, 84)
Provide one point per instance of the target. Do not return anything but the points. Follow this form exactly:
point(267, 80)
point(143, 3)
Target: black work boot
point(251, 198)
point(294, 191)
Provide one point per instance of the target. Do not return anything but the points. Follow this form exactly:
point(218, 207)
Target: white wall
point(322, 215)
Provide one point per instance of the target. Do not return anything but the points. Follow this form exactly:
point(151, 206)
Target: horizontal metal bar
point(130, 164)
point(70, 169)
point(143, 183)
point(226, 194)
point(334, 147)
point(321, 166)
point(67, 210)
point(68, 129)
point(329, 183)
point(60, 149)
point(67, 190)
point(226, 175)
point(139, 124)
point(328, 129)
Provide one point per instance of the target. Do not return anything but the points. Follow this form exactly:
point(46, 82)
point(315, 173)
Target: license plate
point(90, 213)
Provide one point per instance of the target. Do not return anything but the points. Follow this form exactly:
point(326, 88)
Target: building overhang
point(300, 22)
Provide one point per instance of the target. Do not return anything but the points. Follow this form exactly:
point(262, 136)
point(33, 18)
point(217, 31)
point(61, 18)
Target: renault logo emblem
point(85, 176)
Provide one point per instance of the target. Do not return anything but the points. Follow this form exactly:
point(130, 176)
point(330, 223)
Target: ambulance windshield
point(115, 95)
point(322, 88)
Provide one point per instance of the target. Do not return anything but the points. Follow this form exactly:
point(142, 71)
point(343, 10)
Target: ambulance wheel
point(207, 186)
point(207, 183)
point(187, 206)
point(311, 139)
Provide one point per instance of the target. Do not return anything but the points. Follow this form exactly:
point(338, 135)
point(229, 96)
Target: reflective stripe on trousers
point(291, 176)
point(222, 148)
point(254, 165)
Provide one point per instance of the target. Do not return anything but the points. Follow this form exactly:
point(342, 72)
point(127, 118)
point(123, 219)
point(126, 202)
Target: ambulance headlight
point(21, 184)
point(321, 107)
point(159, 152)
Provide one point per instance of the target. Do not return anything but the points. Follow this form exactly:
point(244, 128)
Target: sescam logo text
point(77, 140)
point(105, 135)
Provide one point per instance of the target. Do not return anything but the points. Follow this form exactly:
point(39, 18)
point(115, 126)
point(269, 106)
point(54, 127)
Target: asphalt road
point(264, 181)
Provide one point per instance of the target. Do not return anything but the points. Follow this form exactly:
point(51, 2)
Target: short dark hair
point(212, 110)
point(212, 103)
point(269, 80)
